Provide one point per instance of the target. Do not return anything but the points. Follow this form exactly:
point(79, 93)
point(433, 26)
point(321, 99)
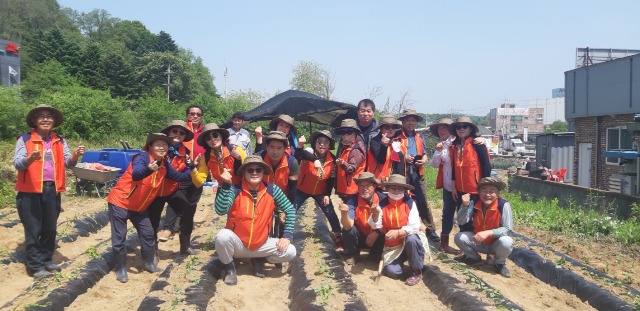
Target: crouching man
point(250, 207)
point(492, 222)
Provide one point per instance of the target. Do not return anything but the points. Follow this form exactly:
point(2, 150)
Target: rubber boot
point(444, 243)
point(121, 267)
point(156, 259)
point(230, 278)
point(185, 245)
point(147, 256)
point(258, 267)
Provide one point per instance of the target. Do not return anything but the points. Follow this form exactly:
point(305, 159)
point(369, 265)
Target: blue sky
point(466, 56)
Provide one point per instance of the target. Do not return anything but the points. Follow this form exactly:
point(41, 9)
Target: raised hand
point(226, 176)
point(466, 199)
point(302, 140)
point(235, 153)
point(258, 132)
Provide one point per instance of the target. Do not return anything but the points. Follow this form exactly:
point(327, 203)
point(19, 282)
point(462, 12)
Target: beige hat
point(464, 119)
point(347, 124)
point(286, 119)
point(434, 126)
point(322, 133)
point(492, 181)
point(57, 115)
point(181, 124)
point(212, 127)
point(411, 113)
point(397, 180)
point(366, 176)
point(151, 137)
point(387, 119)
point(254, 159)
point(276, 135)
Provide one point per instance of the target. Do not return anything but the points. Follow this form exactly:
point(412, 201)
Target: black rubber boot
point(231, 277)
point(121, 267)
point(258, 267)
point(147, 256)
point(185, 245)
point(156, 259)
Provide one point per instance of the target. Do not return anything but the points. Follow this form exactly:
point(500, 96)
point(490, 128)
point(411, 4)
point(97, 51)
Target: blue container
point(119, 158)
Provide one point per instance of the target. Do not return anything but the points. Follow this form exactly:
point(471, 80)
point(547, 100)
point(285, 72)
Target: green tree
point(557, 127)
point(311, 77)
point(13, 112)
point(49, 77)
point(91, 72)
point(164, 43)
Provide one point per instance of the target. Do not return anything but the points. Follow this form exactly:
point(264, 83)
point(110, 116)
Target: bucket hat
point(212, 127)
point(397, 180)
point(366, 176)
point(387, 119)
point(411, 113)
point(463, 119)
point(151, 137)
point(276, 135)
point(347, 124)
point(492, 181)
point(286, 119)
point(181, 124)
point(254, 159)
point(57, 115)
point(322, 133)
point(433, 128)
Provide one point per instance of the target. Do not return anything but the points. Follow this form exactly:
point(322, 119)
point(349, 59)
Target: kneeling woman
point(130, 198)
point(250, 206)
point(398, 218)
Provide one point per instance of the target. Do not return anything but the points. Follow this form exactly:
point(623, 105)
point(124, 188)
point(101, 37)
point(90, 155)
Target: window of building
point(516, 118)
point(618, 138)
point(514, 128)
point(539, 117)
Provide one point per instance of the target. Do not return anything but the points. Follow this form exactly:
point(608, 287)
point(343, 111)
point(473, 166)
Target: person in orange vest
point(317, 176)
point(250, 207)
point(173, 192)
point(397, 217)
point(351, 158)
point(491, 224)
point(194, 115)
point(415, 150)
point(283, 123)
point(383, 160)
point(41, 157)
point(219, 154)
point(356, 231)
point(131, 197)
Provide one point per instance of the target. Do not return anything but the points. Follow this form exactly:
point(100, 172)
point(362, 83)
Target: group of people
point(376, 172)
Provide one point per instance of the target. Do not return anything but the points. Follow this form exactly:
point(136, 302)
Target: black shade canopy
point(302, 106)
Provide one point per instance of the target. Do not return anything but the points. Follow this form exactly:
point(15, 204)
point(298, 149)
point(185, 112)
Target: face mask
point(396, 146)
point(396, 197)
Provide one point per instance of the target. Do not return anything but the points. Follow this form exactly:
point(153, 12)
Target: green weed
point(92, 252)
point(324, 292)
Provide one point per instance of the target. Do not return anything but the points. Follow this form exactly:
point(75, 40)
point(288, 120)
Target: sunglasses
point(387, 127)
point(462, 126)
point(212, 135)
point(347, 132)
point(322, 142)
point(178, 132)
point(255, 170)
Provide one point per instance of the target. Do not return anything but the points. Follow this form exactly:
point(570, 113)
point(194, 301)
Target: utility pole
point(168, 84)
point(225, 83)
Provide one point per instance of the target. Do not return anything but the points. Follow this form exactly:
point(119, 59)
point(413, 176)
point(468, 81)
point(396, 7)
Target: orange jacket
point(251, 221)
point(363, 212)
point(30, 180)
point(404, 140)
point(136, 195)
point(217, 167)
point(344, 181)
point(489, 221)
point(314, 181)
point(466, 169)
point(179, 163)
point(380, 171)
point(280, 175)
point(395, 215)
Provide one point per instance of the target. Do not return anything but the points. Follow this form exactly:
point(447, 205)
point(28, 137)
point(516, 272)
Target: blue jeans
point(448, 211)
point(328, 210)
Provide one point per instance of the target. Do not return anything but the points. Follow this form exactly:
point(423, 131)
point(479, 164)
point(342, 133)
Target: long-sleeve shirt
point(413, 225)
point(226, 196)
point(20, 155)
point(465, 216)
point(412, 149)
point(140, 170)
point(240, 138)
point(442, 157)
point(356, 156)
point(199, 175)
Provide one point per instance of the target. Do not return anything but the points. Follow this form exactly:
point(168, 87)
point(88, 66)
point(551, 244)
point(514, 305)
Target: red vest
point(280, 175)
point(30, 180)
point(466, 168)
point(395, 215)
point(252, 222)
point(489, 221)
point(440, 177)
point(344, 181)
point(404, 146)
point(380, 171)
point(227, 161)
point(363, 212)
point(136, 195)
point(193, 144)
point(314, 181)
point(179, 164)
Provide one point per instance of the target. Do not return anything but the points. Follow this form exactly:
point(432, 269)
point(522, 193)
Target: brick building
point(513, 121)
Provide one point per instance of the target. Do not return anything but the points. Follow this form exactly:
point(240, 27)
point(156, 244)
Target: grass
point(324, 292)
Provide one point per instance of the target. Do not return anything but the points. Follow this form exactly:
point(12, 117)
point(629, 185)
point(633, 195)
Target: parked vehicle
point(513, 145)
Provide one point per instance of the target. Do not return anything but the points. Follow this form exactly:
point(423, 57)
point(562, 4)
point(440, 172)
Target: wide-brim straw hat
point(397, 180)
point(347, 124)
point(322, 133)
point(151, 137)
point(433, 128)
point(459, 120)
point(286, 119)
point(212, 127)
point(387, 119)
point(366, 176)
point(411, 113)
point(276, 135)
point(254, 159)
point(492, 181)
point(181, 124)
point(57, 115)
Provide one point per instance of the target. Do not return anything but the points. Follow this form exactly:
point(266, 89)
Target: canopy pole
point(310, 130)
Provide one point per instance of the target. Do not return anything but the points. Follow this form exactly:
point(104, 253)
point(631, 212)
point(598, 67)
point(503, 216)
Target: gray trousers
point(229, 246)
point(501, 247)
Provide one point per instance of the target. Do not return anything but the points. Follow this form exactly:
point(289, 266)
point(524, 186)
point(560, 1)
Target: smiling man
point(239, 136)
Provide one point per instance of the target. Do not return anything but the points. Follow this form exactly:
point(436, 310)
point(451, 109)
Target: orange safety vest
point(380, 171)
point(217, 167)
point(314, 181)
point(251, 220)
point(467, 168)
point(179, 163)
point(136, 195)
point(404, 146)
point(363, 212)
point(31, 179)
point(395, 215)
point(280, 175)
point(191, 145)
point(489, 221)
point(344, 181)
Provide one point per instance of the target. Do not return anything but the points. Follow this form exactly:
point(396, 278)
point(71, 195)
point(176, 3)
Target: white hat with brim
point(398, 181)
point(152, 137)
point(254, 159)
